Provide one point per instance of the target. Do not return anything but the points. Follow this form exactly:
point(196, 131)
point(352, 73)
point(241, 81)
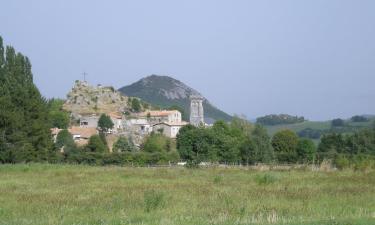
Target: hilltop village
point(87, 103)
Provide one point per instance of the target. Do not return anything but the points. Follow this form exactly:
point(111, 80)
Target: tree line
point(274, 119)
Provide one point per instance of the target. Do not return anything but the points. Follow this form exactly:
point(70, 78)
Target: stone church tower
point(196, 110)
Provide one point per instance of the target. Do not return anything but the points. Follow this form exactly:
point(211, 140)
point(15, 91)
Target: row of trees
point(279, 119)
point(240, 142)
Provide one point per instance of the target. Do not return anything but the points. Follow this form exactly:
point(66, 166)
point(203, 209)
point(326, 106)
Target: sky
point(312, 58)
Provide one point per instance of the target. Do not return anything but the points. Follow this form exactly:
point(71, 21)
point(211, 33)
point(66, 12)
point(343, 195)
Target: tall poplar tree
point(24, 127)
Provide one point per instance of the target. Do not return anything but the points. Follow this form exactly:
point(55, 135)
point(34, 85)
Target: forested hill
point(165, 92)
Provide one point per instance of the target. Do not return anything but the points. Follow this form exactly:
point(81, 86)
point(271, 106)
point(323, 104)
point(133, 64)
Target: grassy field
point(67, 194)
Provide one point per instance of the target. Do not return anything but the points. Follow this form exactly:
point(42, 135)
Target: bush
point(122, 145)
point(306, 150)
point(285, 144)
point(96, 144)
point(341, 162)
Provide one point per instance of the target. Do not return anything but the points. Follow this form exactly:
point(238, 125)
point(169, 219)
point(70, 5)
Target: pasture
point(75, 194)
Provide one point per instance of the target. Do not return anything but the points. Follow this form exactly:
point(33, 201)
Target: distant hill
point(322, 127)
point(165, 92)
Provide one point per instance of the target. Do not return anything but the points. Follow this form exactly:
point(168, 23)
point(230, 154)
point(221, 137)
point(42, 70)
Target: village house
point(139, 125)
point(168, 116)
point(81, 135)
point(89, 121)
point(169, 129)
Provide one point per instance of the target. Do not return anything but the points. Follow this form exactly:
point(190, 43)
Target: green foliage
point(24, 122)
point(122, 145)
point(341, 162)
point(58, 117)
point(338, 123)
point(358, 119)
point(105, 123)
point(96, 144)
point(157, 142)
point(310, 133)
point(306, 150)
point(263, 151)
point(225, 143)
point(285, 145)
point(153, 200)
point(64, 139)
point(136, 105)
point(279, 119)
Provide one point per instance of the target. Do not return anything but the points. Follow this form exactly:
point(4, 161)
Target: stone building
point(196, 110)
point(89, 121)
point(168, 116)
point(169, 129)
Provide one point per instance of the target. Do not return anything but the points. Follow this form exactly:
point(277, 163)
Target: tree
point(96, 144)
point(58, 117)
point(263, 150)
point(122, 145)
point(338, 123)
point(24, 122)
point(196, 144)
point(306, 150)
point(105, 123)
point(285, 143)
point(136, 105)
point(359, 119)
point(279, 119)
point(156, 143)
point(331, 143)
point(64, 140)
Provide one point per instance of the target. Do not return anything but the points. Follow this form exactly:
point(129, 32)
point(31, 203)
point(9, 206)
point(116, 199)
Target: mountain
point(165, 92)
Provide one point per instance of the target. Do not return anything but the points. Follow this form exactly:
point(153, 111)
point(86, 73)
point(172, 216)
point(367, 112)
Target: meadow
point(76, 194)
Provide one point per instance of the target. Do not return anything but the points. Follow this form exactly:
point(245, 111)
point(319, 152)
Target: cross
point(84, 76)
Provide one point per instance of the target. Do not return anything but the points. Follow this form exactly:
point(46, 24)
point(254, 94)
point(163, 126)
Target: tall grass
point(67, 194)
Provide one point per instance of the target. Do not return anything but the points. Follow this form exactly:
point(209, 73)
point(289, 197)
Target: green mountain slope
point(165, 91)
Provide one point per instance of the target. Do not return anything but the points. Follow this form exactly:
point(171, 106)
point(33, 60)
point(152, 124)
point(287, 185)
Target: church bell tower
point(196, 110)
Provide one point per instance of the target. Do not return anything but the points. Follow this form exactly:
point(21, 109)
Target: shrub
point(341, 162)
point(306, 150)
point(285, 144)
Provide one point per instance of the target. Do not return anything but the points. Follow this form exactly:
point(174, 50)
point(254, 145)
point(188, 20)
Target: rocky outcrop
point(87, 99)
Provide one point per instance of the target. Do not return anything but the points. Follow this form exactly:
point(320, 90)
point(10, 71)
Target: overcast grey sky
point(314, 58)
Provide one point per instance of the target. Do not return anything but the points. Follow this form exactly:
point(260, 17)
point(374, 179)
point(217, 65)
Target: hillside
point(165, 91)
